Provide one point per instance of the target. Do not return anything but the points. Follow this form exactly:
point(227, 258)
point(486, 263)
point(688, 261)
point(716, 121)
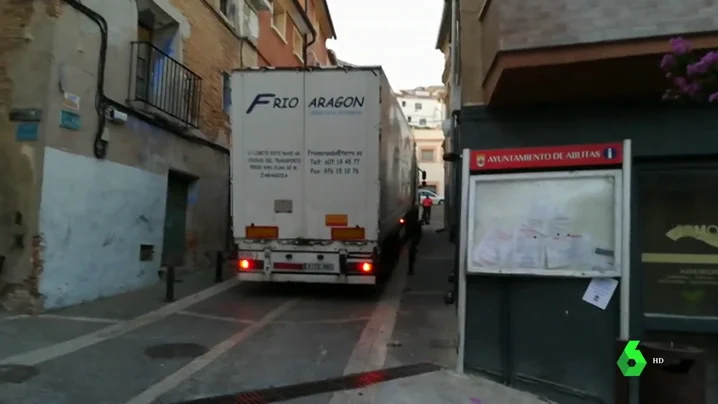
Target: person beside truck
point(426, 205)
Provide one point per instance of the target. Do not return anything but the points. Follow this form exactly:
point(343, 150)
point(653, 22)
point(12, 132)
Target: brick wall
point(527, 24)
point(210, 49)
point(25, 37)
point(14, 18)
point(319, 47)
point(279, 52)
point(276, 50)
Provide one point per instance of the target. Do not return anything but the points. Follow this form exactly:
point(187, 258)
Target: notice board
point(565, 223)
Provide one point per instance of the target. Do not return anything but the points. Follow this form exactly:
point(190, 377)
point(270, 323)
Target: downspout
point(101, 101)
point(454, 111)
point(307, 44)
point(305, 48)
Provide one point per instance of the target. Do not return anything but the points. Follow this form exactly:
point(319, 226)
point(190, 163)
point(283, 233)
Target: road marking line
point(15, 317)
point(170, 382)
point(47, 353)
point(80, 318)
point(218, 318)
point(325, 321)
point(371, 349)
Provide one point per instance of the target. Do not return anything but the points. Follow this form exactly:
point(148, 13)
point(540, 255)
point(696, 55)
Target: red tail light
point(248, 265)
point(366, 267)
point(401, 221)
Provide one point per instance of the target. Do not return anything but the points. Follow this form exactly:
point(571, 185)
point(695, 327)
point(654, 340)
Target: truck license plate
point(319, 267)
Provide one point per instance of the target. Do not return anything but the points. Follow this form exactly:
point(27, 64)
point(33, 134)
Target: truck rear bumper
point(306, 278)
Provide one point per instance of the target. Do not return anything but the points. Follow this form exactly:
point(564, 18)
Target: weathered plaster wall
point(125, 191)
point(94, 216)
point(470, 50)
point(26, 30)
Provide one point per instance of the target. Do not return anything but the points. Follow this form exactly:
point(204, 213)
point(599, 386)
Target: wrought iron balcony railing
point(163, 83)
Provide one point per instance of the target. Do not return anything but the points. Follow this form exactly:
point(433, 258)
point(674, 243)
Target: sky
point(399, 35)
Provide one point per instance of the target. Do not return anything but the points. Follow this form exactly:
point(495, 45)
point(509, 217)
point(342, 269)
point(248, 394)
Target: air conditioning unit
point(260, 5)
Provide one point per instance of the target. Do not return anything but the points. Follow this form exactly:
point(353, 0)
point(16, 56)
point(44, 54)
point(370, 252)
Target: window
point(422, 121)
point(224, 7)
point(427, 155)
point(226, 91)
point(251, 21)
point(417, 106)
point(279, 21)
point(403, 103)
point(408, 119)
point(144, 61)
point(297, 44)
point(144, 34)
point(679, 239)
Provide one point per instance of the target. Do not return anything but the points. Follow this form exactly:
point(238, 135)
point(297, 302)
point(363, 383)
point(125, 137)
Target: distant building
point(425, 110)
point(429, 154)
point(423, 106)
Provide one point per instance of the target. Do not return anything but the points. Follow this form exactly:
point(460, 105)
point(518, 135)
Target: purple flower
point(689, 88)
point(668, 62)
point(710, 58)
point(680, 46)
point(680, 82)
point(696, 69)
point(713, 97)
point(693, 89)
point(704, 65)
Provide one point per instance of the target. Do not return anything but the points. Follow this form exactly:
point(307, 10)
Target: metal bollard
point(219, 267)
point(170, 284)
point(621, 388)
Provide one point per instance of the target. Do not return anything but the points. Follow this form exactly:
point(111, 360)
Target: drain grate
point(16, 374)
point(174, 351)
point(355, 381)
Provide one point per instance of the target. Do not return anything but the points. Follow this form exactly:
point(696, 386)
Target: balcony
point(160, 85)
point(584, 49)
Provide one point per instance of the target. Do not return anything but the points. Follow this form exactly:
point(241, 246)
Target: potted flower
point(693, 75)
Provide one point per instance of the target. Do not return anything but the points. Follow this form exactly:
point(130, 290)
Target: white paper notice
point(559, 224)
point(528, 250)
point(567, 251)
point(600, 291)
point(493, 250)
point(602, 260)
point(537, 219)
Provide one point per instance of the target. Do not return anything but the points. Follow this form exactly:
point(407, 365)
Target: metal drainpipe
point(455, 105)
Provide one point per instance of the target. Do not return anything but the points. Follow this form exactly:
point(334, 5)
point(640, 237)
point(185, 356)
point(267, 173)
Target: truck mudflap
point(306, 267)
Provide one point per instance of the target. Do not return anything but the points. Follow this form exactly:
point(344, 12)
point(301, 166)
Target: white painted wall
point(94, 215)
point(431, 139)
point(430, 115)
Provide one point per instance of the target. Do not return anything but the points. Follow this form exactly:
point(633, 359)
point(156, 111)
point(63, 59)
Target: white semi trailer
point(324, 174)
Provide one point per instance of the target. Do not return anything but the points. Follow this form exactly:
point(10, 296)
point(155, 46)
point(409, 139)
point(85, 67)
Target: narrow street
point(235, 338)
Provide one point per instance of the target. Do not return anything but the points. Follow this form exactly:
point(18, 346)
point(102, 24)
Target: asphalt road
point(233, 338)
